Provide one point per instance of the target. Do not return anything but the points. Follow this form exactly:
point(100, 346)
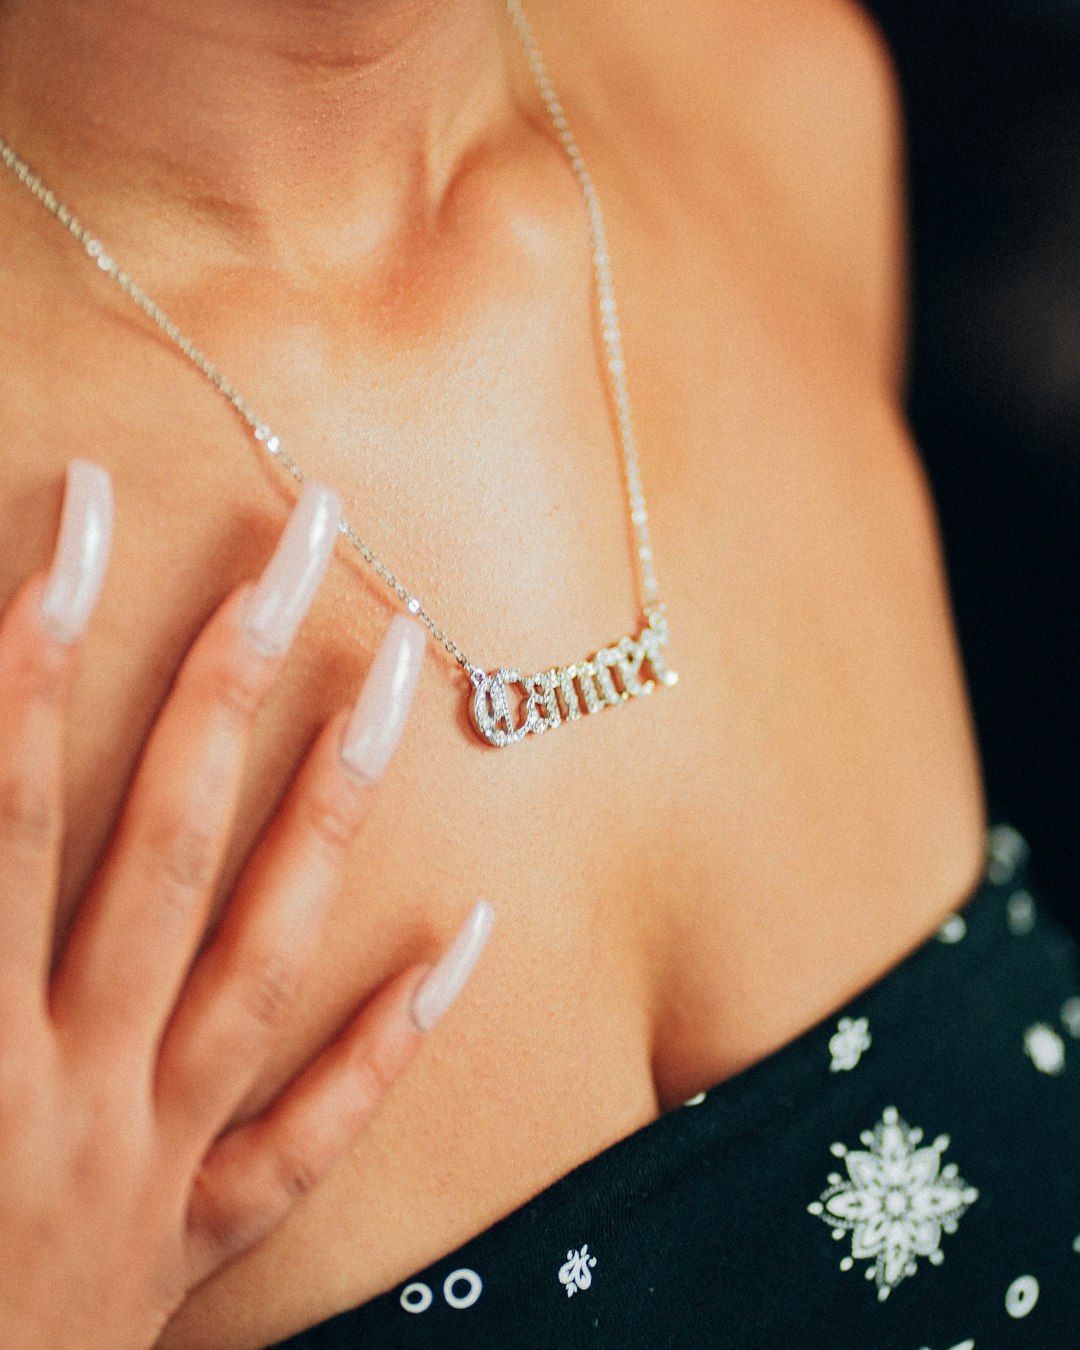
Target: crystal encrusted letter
point(541, 702)
point(491, 709)
point(611, 677)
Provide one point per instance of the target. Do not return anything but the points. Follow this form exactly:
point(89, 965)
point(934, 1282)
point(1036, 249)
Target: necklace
point(615, 673)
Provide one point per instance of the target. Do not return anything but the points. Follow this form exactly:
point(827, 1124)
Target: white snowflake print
point(1070, 1015)
point(576, 1272)
point(896, 1201)
point(952, 930)
point(849, 1041)
point(1045, 1048)
point(1020, 913)
point(1007, 849)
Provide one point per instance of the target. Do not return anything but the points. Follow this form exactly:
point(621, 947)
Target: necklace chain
point(610, 331)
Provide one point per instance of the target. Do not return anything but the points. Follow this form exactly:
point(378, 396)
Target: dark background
point(992, 102)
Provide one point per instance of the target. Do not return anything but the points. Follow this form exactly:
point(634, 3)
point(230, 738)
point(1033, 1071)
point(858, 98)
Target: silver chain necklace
point(563, 693)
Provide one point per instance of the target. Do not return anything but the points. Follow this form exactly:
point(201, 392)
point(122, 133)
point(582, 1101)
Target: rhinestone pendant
point(544, 701)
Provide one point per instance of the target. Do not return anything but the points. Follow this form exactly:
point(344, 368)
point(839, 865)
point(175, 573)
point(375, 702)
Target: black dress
point(904, 1176)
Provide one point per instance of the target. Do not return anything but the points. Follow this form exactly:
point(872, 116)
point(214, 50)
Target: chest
point(792, 541)
point(640, 860)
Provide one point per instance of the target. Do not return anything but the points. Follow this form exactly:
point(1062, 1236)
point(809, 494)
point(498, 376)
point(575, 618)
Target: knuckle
point(27, 813)
point(232, 687)
point(40, 672)
point(295, 1174)
point(373, 1077)
point(182, 854)
point(218, 679)
point(221, 1229)
point(331, 818)
point(384, 1062)
point(268, 989)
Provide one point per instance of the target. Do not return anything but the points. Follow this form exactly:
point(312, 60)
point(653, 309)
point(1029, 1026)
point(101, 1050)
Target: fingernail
point(377, 721)
point(284, 592)
point(82, 551)
point(448, 979)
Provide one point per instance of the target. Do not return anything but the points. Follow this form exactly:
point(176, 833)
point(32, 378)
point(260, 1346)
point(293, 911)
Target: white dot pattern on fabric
point(960, 1345)
point(1007, 848)
point(896, 1200)
point(1021, 1296)
point(416, 1297)
point(1020, 913)
point(953, 930)
point(1045, 1048)
point(1070, 1015)
point(848, 1043)
point(576, 1271)
point(474, 1288)
point(695, 1100)
point(1076, 1244)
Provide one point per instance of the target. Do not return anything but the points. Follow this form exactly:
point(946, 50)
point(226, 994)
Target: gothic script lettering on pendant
point(566, 693)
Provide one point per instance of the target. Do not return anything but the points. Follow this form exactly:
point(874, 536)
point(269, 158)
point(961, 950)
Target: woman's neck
point(289, 132)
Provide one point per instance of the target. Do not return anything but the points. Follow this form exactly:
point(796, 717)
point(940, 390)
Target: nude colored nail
point(82, 551)
point(378, 719)
point(446, 981)
point(283, 594)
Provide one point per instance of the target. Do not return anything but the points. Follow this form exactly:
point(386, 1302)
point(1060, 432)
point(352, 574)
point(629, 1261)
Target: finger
point(247, 979)
point(255, 1175)
point(141, 922)
point(38, 660)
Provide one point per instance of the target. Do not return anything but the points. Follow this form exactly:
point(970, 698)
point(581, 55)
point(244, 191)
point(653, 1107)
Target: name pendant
point(611, 677)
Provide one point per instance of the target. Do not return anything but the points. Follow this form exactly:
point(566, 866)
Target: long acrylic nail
point(283, 594)
point(82, 552)
point(448, 978)
point(377, 721)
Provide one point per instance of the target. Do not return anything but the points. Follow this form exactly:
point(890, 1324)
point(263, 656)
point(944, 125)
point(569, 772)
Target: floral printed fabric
point(896, 1200)
point(904, 1176)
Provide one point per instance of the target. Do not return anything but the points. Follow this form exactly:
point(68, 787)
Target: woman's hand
point(122, 1184)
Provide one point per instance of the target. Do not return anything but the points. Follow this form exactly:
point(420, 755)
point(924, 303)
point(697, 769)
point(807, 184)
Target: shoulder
point(798, 95)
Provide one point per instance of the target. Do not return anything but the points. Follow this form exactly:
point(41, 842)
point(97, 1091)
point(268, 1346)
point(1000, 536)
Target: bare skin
point(682, 885)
